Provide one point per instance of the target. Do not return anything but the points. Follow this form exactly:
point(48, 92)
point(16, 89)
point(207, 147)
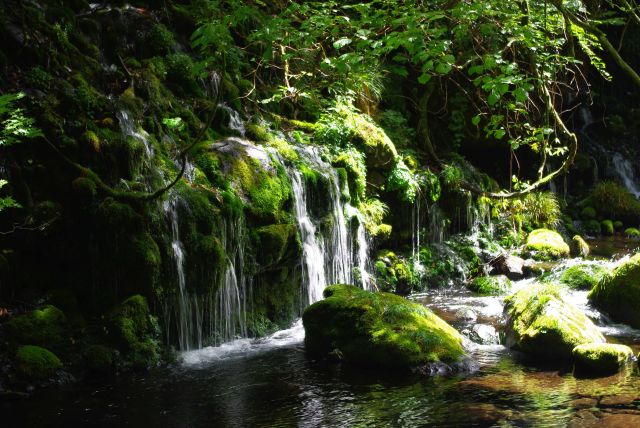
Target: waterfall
point(129, 128)
point(331, 257)
point(235, 120)
point(183, 310)
point(624, 169)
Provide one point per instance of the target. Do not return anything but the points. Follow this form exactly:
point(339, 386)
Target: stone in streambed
point(540, 322)
point(601, 358)
point(380, 329)
point(545, 244)
point(618, 293)
point(490, 285)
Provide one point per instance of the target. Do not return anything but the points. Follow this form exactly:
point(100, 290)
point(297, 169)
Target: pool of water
point(272, 383)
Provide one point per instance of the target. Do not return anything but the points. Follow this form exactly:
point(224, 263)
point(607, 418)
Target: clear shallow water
point(271, 383)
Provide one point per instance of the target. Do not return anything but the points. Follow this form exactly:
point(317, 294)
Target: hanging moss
point(276, 243)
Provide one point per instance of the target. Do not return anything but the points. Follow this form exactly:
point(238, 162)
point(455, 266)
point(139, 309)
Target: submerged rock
point(603, 358)
point(618, 294)
point(490, 285)
point(545, 244)
point(380, 329)
point(541, 322)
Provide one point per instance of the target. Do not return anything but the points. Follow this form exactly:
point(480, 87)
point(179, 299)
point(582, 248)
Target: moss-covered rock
point(542, 323)
point(394, 274)
point(618, 225)
point(619, 293)
point(43, 327)
point(276, 243)
point(579, 247)
point(545, 244)
point(632, 232)
point(134, 331)
point(606, 226)
point(592, 227)
point(36, 363)
point(601, 358)
point(490, 285)
point(588, 213)
point(99, 360)
point(583, 276)
point(378, 329)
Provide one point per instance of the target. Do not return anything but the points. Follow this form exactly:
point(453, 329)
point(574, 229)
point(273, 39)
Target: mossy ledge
point(380, 330)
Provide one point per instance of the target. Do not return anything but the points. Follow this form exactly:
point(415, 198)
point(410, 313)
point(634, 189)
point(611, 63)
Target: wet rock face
point(619, 293)
point(541, 322)
point(382, 330)
point(601, 358)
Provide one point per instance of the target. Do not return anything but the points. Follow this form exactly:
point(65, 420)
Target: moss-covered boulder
point(379, 149)
point(583, 276)
point(632, 232)
point(134, 331)
point(618, 293)
point(490, 285)
point(545, 244)
point(36, 363)
point(606, 226)
point(540, 322)
point(378, 329)
point(579, 247)
point(99, 360)
point(601, 358)
point(43, 327)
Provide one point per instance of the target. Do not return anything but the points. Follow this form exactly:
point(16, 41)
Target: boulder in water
point(509, 265)
point(541, 322)
point(545, 244)
point(579, 247)
point(602, 358)
point(379, 329)
point(618, 293)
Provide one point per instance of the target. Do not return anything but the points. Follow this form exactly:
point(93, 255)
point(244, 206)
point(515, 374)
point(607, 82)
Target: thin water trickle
point(235, 120)
point(129, 128)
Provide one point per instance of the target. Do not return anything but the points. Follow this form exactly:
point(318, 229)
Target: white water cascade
point(333, 256)
point(129, 128)
point(235, 120)
point(624, 169)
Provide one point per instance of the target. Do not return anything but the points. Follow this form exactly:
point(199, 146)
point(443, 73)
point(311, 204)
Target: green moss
point(43, 327)
point(258, 133)
point(582, 276)
point(542, 323)
point(615, 202)
point(91, 139)
point(135, 332)
point(607, 227)
point(545, 244)
point(84, 187)
point(579, 247)
point(161, 39)
point(619, 293)
point(99, 360)
point(601, 358)
point(618, 225)
point(490, 285)
point(588, 213)
point(36, 363)
point(275, 243)
point(129, 101)
point(632, 232)
point(378, 329)
point(592, 227)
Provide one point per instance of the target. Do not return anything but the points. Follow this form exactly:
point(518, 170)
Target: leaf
point(476, 120)
point(340, 43)
point(521, 95)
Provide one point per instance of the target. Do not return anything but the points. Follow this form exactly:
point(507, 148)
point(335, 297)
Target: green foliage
point(582, 276)
point(374, 212)
point(592, 227)
point(14, 125)
point(402, 181)
point(397, 128)
point(36, 363)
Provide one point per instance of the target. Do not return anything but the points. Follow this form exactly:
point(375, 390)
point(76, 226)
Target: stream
point(270, 382)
